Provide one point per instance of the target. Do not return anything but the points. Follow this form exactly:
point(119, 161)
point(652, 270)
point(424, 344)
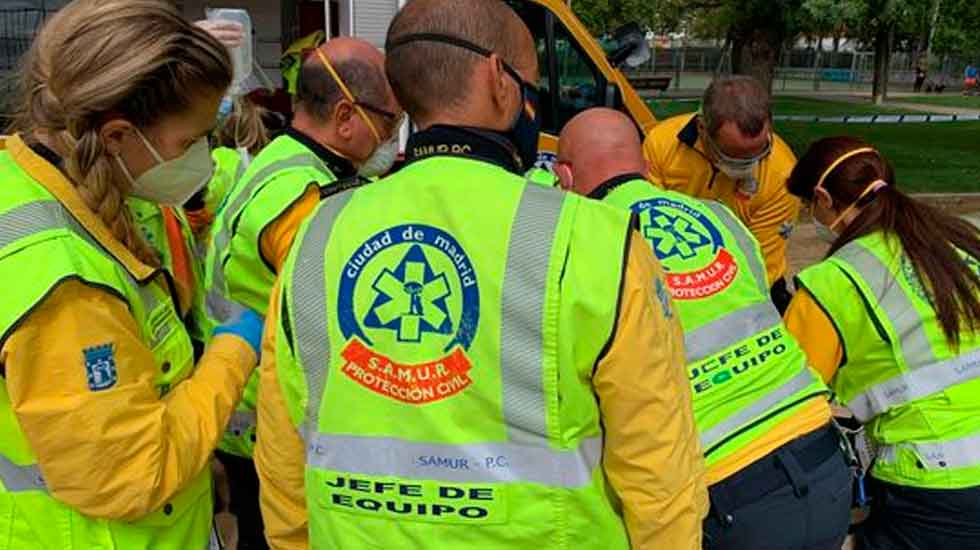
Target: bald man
point(762, 414)
point(346, 121)
point(457, 351)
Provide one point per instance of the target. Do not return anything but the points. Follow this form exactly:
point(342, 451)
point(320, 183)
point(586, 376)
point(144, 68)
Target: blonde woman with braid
point(106, 424)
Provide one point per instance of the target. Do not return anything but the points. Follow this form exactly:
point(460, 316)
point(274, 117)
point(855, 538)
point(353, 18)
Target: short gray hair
point(317, 92)
point(738, 99)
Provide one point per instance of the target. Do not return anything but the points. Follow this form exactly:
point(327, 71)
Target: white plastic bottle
point(241, 56)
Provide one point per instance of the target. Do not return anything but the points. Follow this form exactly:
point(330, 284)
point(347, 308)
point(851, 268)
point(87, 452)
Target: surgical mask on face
point(381, 160)
point(824, 233)
point(526, 127)
point(172, 182)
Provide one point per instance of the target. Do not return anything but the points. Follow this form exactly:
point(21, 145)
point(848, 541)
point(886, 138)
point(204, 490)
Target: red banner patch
point(412, 384)
point(709, 281)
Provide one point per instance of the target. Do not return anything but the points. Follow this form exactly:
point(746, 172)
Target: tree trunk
point(932, 28)
point(755, 52)
point(883, 51)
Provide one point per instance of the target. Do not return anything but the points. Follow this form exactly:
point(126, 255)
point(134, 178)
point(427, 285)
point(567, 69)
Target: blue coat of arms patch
point(100, 367)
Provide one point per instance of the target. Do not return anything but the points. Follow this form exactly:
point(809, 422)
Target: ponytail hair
point(132, 59)
point(931, 239)
point(245, 127)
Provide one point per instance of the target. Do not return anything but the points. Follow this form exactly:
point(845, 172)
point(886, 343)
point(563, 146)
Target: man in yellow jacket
point(728, 152)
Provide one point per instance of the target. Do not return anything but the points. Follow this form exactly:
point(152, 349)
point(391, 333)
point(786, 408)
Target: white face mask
point(824, 233)
point(172, 182)
point(382, 160)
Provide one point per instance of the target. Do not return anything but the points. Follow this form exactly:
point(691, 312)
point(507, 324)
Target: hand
point(228, 33)
point(247, 325)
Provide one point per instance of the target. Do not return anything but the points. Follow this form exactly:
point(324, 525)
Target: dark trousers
point(796, 498)
point(243, 481)
point(910, 518)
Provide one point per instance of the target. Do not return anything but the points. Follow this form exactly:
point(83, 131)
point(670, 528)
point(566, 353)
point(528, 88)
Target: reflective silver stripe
point(20, 478)
point(219, 307)
point(916, 384)
point(726, 331)
point(892, 299)
point(522, 307)
point(36, 217)
point(29, 219)
point(957, 453)
point(746, 242)
point(760, 407)
point(241, 422)
point(309, 306)
point(489, 462)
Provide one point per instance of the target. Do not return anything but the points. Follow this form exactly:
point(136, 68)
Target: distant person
point(729, 152)
point(486, 357)
point(970, 78)
point(762, 414)
point(920, 78)
point(891, 319)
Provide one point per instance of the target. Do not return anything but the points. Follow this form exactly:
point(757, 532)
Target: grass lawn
point(928, 158)
point(665, 108)
point(945, 100)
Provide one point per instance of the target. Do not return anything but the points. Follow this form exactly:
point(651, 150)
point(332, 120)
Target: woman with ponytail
point(890, 318)
point(106, 423)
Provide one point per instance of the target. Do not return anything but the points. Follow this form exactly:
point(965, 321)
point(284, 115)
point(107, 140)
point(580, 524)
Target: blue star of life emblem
point(411, 299)
point(674, 235)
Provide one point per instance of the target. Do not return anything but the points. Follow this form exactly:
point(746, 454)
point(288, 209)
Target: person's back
point(756, 402)
point(445, 332)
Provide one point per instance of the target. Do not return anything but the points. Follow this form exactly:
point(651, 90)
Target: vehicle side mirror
point(633, 49)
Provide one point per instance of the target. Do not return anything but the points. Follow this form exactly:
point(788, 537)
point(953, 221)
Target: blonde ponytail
point(78, 75)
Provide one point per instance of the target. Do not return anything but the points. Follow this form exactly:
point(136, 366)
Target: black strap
point(341, 185)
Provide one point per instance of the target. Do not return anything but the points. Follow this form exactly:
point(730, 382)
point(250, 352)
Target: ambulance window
point(580, 85)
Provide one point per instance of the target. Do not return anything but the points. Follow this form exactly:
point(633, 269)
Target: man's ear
point(499, 82)
point(113, 133)
point(343, 115)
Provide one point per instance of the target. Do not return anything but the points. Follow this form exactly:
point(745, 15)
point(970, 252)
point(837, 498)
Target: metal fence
point(17, 29)
point(691, 68)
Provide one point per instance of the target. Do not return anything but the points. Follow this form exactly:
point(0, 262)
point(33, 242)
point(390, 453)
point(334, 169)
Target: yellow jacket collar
point(64, 191)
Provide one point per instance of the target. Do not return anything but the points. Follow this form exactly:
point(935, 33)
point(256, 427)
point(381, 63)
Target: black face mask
point(523, 133)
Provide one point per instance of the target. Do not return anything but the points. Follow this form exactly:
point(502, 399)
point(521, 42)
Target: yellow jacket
point(815, 332)
point(643, 430)
point(679, 162)
point(123, 453)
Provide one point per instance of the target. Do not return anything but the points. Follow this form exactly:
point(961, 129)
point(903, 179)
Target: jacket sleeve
point(815, 332)
point(641, 382)
point(277, 237)
point(122, 452)
point(655, 157)
point(279, 452)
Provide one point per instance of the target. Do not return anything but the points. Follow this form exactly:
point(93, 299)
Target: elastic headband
point(350, 97)
point(840, 160)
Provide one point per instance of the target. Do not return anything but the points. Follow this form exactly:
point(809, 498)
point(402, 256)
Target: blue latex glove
point(247, 325)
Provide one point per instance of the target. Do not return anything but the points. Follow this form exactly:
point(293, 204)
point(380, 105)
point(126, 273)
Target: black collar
point(689, 133)
point(457, 141)
point(338, 165)
point(607, 186)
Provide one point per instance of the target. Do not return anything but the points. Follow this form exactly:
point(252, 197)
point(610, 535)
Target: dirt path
point(806, 249)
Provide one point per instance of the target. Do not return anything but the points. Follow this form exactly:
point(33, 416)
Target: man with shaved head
point(458, 358)
point(346, 121)
point(761, 412)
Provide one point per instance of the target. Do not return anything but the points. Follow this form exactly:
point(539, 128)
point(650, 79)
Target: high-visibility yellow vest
point(437, 361)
